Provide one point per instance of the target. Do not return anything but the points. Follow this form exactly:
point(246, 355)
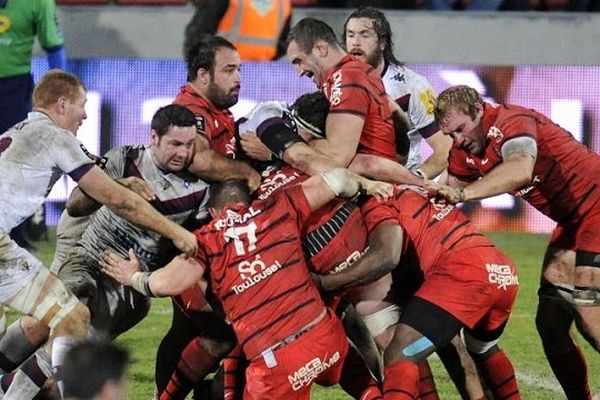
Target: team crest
point(200, 127)
point(495, 133)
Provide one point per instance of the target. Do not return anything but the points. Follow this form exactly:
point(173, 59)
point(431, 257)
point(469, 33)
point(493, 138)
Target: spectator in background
point(20, 23)
point(95, 370)
point(256, 28)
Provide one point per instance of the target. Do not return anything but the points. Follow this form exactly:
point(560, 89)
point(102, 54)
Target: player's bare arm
point(382, 169)
point(135, 209)
point(172, 279)
point(208, 164)
point(385, 250)
point(343, 134)
point(254, 148)
point(79, 204)
point(437, 162)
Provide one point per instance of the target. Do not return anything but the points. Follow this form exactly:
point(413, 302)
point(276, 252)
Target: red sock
point(356, 379)
point(427, 389)
point(234, 374)
point(571, 371)
point(401, 381)
point(194, 364)
point(499, 375)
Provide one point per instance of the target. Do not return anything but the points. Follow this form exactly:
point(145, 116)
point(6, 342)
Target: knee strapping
point(379, 321)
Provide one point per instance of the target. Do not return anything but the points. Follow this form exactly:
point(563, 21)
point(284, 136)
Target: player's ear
point(154, 138)
point(321, 48)
point(212, 211)
point(203, 76)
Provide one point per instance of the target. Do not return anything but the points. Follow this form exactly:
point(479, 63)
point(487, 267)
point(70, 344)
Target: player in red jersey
point(359, 119)
point(278, 316)
point(507, 148)
point(467, 283)
point(213, 86)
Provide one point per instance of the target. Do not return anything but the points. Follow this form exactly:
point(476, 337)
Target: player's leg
point(494, 366)
point(555, 316)
point(461, 369)
point(422, 328)
point(47, 300)
point(23, 337)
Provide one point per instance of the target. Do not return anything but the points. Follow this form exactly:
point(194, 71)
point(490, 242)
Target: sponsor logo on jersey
point(335, 96)
point(501, 275)
point(307, 373)
point(271, 184)
point(428, 99)
point(443, 211)
point(232, 218)
point(469, 160)
point(495, 133)
point(525, 191)
point(253, 272)
point(352, 258)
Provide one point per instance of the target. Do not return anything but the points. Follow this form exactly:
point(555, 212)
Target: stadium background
point(130, 59)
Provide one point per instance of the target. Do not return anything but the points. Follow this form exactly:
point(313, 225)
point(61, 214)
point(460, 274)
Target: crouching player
point(468, 283)
point(280, 321)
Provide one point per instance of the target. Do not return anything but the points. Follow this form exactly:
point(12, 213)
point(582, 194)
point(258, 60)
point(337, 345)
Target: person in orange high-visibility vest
point(257, 28)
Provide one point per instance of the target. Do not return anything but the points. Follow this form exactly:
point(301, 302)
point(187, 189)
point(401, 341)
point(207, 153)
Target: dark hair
point(89, 365)
point(312, 108)
point(382, 28)
point(227, 192)
point(308, 31)
point(171, 115)
point(201, 54)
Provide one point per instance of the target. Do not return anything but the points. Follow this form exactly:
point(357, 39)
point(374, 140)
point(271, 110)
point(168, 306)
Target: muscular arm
point(343, 135)
point(438, 160)
point(210, 165)
point(382, 169)
point(515, 172)
point(134, 208)
point(385, 250)
point(176, 277)
point(80, 205)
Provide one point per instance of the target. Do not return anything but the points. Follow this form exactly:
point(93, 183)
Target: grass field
point(520, 339)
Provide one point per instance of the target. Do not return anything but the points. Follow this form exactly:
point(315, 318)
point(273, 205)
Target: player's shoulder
point(400, 78)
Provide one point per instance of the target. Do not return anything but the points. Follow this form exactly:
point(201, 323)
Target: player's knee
point(217, 348)
point(75, 323)
point(480, 349)
point(35, 331)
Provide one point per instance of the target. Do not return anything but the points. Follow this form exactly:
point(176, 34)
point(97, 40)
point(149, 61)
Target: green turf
point(520, 339)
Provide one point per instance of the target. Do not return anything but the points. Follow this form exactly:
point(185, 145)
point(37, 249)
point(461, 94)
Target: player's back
point(433, 229)
point(257, 269)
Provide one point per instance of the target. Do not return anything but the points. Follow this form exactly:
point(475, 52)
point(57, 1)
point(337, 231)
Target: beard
point(375, 58)
point(220, 97)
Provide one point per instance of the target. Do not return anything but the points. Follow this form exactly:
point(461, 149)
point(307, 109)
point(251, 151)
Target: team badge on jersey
point(495, 133)
point(200, 126)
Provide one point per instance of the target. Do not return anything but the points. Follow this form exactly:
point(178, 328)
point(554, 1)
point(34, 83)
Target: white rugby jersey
point(33, 156)
point(261, 113)
point(179, 196)
point(416, 97)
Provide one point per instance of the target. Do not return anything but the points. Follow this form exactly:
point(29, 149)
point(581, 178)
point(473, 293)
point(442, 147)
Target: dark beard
point(219, 98)
point(375, 59)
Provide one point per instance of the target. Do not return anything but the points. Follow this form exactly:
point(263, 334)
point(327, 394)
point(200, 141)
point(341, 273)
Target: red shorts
point(316, 356)
point(478, 287)
point(585, 236)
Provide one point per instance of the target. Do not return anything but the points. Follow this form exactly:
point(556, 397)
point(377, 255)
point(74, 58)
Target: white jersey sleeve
point(416, 97)
point(260, 113)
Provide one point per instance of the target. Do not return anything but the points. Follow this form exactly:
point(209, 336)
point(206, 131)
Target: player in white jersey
point(33, 156)
point(176, 193)
point(367, 36)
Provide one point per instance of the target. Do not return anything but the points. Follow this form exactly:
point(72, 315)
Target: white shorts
point(18, 268)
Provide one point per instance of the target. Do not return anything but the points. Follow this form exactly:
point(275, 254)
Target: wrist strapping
point(461, 194)
point(140, 281)
point(341, 183)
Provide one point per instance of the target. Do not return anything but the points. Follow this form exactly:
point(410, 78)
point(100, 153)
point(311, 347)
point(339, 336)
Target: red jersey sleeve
point(376, 213)
point(514, 126)
point(298, 201)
